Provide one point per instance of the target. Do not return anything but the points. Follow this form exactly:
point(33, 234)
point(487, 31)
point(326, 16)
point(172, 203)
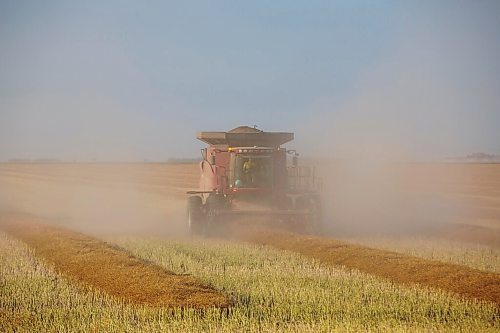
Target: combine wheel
point(195, 216)
point(302, 203)
point(213, 205)
point(283, 202)
point(315, 216)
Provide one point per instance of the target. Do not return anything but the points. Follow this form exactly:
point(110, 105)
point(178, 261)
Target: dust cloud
point(381, 149)
point(99, 199)
point(365, 198)
point(433, 95)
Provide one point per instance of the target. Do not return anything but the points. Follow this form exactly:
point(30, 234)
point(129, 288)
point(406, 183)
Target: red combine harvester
point(244, 172)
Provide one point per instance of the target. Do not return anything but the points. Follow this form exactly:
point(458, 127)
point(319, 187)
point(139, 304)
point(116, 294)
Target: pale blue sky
point(137, 79)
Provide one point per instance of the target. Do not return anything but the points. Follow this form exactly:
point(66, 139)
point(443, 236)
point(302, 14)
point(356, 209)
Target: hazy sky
point(137, 79)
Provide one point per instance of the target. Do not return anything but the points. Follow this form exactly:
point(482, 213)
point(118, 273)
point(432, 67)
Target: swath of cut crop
point(470, 233)
point(401, 268)
point(108, 268)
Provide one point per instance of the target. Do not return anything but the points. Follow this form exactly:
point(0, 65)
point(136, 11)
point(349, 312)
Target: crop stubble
point(467, 282)
point(108, 268)
point(394, 266)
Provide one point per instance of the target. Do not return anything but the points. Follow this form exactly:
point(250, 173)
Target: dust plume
point(379, 149)
point(99, 198)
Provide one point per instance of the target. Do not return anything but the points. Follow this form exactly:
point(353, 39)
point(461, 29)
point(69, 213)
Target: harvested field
point(141, 208)
point(110, 269)
point(100, 198)
point(166, 179)
point(471, 233)
point(466, 197)
point(467, 282)
point(473, 255)
point(274, 291)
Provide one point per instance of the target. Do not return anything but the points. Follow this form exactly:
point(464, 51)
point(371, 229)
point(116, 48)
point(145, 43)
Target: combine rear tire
point(195, 216)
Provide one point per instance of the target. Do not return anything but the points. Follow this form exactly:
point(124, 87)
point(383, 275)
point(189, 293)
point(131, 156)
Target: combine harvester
point(244, 173)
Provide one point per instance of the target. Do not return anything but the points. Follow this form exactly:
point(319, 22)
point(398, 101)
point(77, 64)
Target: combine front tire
point(315, 213)
point(213, 206)
point(195, 216)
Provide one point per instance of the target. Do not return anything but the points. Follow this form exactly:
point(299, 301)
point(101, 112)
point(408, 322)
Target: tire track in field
point(108, 268)
point(467, 282)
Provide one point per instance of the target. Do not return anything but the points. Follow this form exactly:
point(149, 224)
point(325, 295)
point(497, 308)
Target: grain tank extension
point(244, 172)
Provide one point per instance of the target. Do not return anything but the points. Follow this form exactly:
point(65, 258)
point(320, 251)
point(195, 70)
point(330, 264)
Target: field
point(75, 240)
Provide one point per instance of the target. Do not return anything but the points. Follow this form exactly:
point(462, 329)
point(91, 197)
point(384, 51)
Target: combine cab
point(244, 173)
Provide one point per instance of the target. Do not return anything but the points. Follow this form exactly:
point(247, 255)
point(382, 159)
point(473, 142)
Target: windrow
point(110, 269)
point(464, 281)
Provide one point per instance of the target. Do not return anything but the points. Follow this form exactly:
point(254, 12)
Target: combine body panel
point(244, 172)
